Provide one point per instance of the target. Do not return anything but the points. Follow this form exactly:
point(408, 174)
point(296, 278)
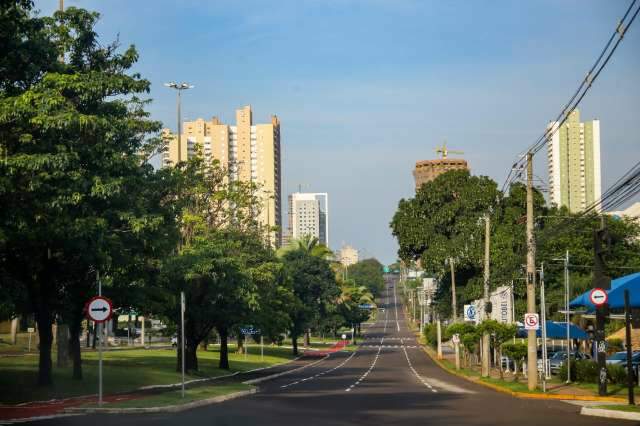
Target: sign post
point(99, 309)
point(30, 330)
point(182, 308)
point(456, 345)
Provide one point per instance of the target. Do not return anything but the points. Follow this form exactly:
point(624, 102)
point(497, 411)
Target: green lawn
point(175, 397)
point(628, 408)
point(612, 389)
point(124, 370)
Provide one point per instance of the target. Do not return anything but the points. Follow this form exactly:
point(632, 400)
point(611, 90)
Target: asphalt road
point(387, 381)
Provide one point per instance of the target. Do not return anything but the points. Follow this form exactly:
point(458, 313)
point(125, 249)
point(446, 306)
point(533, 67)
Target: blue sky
point(364, 88)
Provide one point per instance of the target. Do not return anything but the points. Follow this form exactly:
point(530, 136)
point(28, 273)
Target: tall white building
point(309, 215)
point(573, 153)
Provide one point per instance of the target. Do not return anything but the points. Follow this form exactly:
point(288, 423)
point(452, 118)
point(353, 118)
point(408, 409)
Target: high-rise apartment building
point(574, 163)
point(251, 152)
point(309, 216)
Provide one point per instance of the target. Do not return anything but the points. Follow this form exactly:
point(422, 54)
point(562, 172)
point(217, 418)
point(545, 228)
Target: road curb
point(524, 395)
point(609, 414)
point(164, 409)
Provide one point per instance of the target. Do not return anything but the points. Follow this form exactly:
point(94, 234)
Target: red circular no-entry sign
point(598, 296)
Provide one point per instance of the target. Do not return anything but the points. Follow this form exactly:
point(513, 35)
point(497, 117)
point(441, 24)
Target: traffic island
point(169, 402)
point(622, 412)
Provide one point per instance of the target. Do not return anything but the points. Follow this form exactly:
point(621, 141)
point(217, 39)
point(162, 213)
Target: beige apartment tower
point(251, 152)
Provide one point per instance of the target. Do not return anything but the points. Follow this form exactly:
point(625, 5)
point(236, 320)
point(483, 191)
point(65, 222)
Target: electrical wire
point(593, 73)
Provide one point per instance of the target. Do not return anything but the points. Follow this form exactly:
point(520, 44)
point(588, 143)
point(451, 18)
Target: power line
point(593, 73)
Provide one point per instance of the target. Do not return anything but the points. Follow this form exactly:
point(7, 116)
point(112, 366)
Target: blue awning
point(558, 330)
point(616, 294)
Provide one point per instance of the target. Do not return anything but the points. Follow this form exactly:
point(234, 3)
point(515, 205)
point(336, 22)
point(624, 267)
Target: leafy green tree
point(500, 333)
point(349, 301)
point(517, 352)
point(70, 132)
point(315, 289)
point(217, 291)
point(368, 273)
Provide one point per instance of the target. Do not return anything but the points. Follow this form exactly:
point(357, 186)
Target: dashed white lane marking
point(322, 373)
point(366, 373)
point(372, 345)
point(424, 382)
point(395, 305)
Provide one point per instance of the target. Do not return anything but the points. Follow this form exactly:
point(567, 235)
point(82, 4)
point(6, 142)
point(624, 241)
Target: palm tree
point(307, 244)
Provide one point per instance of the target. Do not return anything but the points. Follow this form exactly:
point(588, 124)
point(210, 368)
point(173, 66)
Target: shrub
point(586, 370)
point(430, 333)
point(614, 345)
point(617, 374)
point(563, 370)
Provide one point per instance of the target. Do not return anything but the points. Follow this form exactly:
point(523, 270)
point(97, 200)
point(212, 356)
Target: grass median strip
point(124, 371)
point(170, 398)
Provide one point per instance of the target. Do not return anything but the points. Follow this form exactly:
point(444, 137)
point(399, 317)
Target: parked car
point(558, 359)
point(620, 358)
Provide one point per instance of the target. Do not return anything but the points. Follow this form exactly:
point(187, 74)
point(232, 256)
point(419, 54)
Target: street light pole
point(179, 87)
point(566, 315)
point(532, 347)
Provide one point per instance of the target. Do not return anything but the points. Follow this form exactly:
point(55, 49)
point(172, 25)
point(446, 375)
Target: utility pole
point(566, 315)
point(600, 280)
point(485, 300)
point(532, 347)
point(454, 306)
point(543, 322)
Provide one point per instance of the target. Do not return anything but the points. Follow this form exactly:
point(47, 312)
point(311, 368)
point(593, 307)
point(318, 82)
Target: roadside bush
point(617, 374)
point(586, 371)
point(563, 371)
point(614, 345)
point(430, 332)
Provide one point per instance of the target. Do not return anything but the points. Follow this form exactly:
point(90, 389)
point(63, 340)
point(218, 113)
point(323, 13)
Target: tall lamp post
point(179, 87)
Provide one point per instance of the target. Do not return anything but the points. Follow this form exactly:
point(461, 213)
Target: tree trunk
point(74, 347)
point(191, 356)
point(88, 333)
point(44, 320)
point(294, 342)
point(500, 362)
point(240, 346)
point(224, 350)
point(14, 331)
point(307, 338)
point(62, 350)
